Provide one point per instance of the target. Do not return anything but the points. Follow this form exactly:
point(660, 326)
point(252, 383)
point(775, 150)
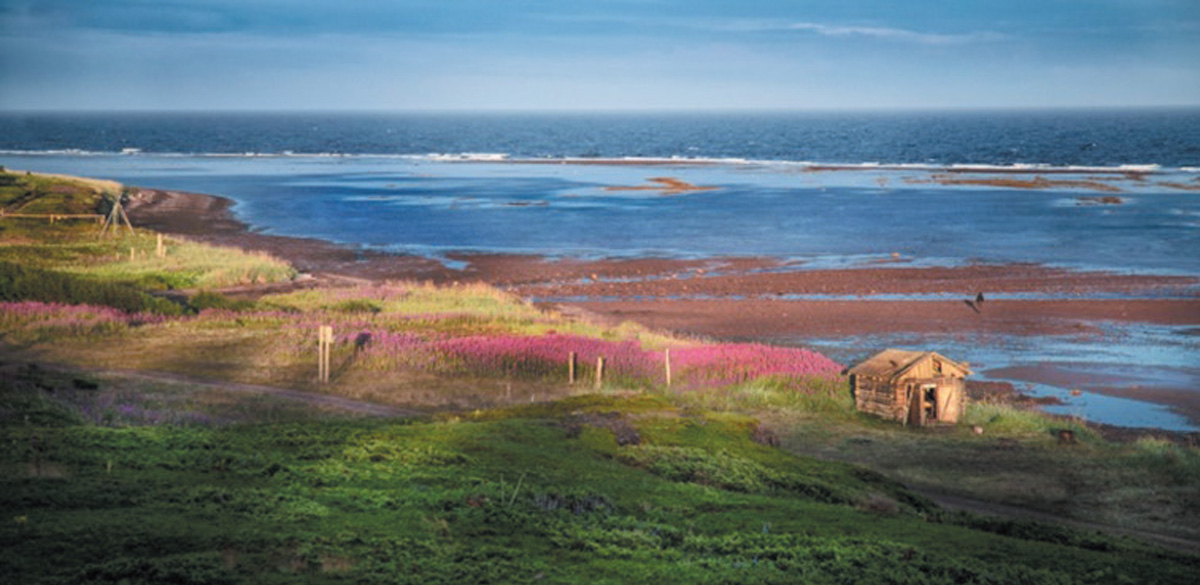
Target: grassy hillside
point(586, 490)
point(512, 474)
point(76, 248)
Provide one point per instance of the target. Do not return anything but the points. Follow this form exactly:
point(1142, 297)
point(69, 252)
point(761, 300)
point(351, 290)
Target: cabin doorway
point(929, 402)
point(923, 404)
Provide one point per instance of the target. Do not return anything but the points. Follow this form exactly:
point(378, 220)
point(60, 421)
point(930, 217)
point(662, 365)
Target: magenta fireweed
point(382, 343)
point(76, 318)
point(383, 350)
point(707, 365)
point(725, 364)
point(539, 355)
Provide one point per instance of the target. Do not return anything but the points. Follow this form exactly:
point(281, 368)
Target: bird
point(979, 300)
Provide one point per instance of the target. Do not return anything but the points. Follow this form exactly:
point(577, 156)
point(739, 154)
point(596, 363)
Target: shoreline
point(741, 298)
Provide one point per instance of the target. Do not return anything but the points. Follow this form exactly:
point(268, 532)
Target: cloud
point(897, 34)
point(872, 32)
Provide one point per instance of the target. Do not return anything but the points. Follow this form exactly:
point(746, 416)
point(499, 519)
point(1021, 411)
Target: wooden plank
point(667, 361)
point(53, 215)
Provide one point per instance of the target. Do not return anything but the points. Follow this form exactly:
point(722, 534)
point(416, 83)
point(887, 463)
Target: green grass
point(541, 493)
point(187, 265)
point(826, 396)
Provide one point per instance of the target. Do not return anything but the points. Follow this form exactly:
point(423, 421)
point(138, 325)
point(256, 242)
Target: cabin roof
point(893, 362)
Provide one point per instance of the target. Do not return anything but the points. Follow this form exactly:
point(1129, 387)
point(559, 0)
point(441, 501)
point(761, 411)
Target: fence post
point(667, 360)
point(160, 250)
point(599, 371)
point(324, 343)
point(571, 368)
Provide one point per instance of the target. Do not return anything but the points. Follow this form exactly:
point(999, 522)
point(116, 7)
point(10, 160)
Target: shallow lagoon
point(827, 218)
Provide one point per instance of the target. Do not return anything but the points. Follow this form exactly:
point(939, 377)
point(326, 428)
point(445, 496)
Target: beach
point(769, 300)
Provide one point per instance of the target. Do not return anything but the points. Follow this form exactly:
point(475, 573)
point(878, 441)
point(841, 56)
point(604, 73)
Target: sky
point(596, 55)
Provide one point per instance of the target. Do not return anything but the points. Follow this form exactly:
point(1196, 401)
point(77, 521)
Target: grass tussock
point(1016, 422)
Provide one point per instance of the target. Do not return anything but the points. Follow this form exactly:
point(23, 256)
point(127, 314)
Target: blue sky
point(602, 54)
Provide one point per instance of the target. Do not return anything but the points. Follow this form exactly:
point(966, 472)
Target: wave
point(505, 158)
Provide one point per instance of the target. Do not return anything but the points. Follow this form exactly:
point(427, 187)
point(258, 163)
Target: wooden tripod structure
point(115, 216)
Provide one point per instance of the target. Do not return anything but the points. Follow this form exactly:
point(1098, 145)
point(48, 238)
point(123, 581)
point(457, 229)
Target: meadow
point(122, 467)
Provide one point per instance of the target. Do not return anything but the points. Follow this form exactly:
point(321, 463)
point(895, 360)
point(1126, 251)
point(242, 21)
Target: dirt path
point(982, 508)
point(314, 399)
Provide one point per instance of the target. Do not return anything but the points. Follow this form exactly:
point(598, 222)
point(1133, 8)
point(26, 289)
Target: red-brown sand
point(767, 319)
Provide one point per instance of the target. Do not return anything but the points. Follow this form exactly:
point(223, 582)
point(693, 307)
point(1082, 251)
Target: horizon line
point(657, 111)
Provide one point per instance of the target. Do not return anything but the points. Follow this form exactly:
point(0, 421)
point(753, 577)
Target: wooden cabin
point(913, 387)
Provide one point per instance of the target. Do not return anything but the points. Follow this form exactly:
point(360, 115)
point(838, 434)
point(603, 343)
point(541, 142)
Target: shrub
point(22, 283)
point(211, 300)
point(357, 306)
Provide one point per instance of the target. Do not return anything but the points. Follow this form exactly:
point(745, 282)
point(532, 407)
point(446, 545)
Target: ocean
point(1106, 138)
point(1111, 190)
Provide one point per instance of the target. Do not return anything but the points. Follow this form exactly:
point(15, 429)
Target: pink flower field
point(427, 343)
point(547, 355)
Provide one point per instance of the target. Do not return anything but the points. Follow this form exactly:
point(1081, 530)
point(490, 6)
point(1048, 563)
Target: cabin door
point(915, 412)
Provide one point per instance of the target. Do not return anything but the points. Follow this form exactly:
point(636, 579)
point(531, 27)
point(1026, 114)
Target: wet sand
point(767, 319)
point(744, 298)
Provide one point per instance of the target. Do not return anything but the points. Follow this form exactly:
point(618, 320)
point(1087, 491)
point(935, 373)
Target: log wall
point(876, 396)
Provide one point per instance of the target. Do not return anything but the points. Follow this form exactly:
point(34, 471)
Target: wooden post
point(324, 343)
point(321, 354)
point(667, 361)
point(132, 255)
point(599, 371)
point(161, 250)
point(571, 368)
